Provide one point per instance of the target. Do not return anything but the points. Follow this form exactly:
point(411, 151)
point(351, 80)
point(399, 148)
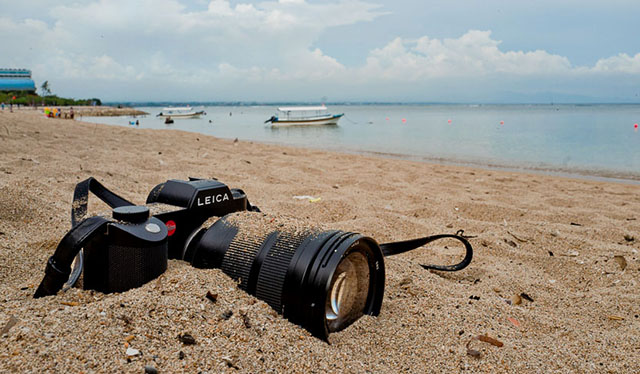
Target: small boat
point(304, 116)
point(180, 112)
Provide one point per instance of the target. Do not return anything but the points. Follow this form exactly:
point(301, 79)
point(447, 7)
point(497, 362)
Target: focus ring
point(274, 268)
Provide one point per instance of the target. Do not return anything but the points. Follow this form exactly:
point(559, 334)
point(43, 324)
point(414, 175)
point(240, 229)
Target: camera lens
point(321, 280)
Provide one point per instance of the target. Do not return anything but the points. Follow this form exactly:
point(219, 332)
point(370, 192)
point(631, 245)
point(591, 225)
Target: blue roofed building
point(16, 80)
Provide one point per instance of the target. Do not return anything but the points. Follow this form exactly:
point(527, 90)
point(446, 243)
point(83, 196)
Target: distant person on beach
point(11, 107)
point(71, 113)
point(2, 105)
point(137, 123)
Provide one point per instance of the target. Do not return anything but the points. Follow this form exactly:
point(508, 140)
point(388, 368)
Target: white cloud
point(99, 67)
point(473, 54)
point(621, 63)
point(256, 47)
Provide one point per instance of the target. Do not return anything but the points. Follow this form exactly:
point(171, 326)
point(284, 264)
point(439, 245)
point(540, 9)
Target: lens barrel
point(321, 280)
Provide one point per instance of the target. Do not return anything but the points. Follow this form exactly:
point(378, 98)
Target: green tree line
point(28, 98)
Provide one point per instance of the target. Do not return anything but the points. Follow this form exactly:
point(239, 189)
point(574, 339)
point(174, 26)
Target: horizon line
point(255, 102)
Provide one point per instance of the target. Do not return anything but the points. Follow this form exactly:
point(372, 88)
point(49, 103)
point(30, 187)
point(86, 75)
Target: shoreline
point(558, 240)
point(600, 175)
point(88, 111)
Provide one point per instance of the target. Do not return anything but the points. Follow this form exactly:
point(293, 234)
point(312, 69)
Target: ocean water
point(597, 141)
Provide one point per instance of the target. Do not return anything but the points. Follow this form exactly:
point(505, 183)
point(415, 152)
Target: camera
point(323, 280)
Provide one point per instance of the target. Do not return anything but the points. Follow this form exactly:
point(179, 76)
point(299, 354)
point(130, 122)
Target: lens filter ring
point(324, 283)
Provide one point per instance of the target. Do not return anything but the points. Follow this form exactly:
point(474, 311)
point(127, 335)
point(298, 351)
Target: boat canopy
point(177, 108)
point(302, 108)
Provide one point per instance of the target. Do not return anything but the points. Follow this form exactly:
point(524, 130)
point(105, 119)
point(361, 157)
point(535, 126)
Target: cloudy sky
point(336, 50)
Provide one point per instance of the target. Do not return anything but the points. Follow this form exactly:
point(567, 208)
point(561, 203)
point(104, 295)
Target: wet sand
point(547, 279)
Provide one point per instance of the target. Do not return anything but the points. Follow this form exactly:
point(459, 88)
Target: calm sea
point(597, 141)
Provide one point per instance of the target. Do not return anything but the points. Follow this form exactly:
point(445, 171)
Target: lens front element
point(348, 293)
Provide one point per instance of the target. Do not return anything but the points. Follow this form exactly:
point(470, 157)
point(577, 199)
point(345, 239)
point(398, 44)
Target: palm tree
point(45, 88)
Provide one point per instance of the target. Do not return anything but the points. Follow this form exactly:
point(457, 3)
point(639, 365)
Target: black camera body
point(134, 249)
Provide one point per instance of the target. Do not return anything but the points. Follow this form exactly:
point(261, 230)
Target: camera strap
point(58, 270)
point(394, 248)
point(59, 265)
point(81, 198)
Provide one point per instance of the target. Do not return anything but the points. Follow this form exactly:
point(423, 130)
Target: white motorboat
point(181, 112)
point(304, 116)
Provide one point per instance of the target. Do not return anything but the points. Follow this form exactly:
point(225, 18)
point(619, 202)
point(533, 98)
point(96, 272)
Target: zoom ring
point(238, 259)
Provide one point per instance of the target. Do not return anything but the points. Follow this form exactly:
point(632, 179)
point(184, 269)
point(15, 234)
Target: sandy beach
point(554, 277)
